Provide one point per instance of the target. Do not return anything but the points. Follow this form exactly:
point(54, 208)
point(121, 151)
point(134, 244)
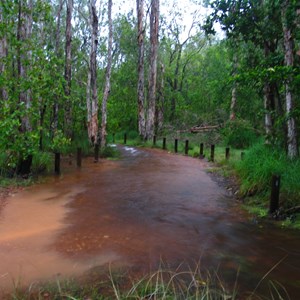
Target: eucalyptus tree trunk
point(160, 100)
point(292, 144)
point(23, 59)
point(3, 55)
point(107, 76)
point(154, 26)
point(92, 92)
point(141, 69)
point(23, 36)
point(68, 69)
point(57, 47)
point(234, 89)
point(269, 100)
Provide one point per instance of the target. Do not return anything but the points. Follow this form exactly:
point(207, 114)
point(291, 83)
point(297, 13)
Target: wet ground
point(148, 207)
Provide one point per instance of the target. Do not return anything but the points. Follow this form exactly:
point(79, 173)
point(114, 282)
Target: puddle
point(149, 207)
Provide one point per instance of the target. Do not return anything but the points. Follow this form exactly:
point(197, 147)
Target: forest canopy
point(73, 72)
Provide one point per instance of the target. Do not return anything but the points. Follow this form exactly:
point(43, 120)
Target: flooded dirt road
point(148, 207)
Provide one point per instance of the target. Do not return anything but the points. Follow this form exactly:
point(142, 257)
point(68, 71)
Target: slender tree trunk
point(68, 69)
point(141, 76)
point(24, 33)
point(24, 56)
point(154, 26)
point(3, 55)
point(160, 100)
point(107, 76)
point(234, 89)
point(57, 48)
point(92, 92)
point(292, 143)
point(269, 103)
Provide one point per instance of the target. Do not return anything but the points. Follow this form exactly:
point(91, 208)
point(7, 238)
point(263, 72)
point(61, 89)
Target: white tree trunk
point(92, 91)
point(24, 34)
point(154, 27)
point(57, 48)
point(234, 89)
point(292, 143)
point(68, 68)
point(107, 77)
point(3, 55)
point(141, 69)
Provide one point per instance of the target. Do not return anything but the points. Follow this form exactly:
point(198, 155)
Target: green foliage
point(60, 142)
point(239, 134)
point(257, 168)
point(109, 152)
point(42, 162)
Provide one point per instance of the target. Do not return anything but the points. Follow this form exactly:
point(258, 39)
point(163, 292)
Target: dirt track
point(148, 207)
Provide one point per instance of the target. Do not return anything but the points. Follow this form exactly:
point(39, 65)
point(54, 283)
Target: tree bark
point(23, 58)
point(234, 89)
point(154, 26)
point(92, 92)
point(141, 76)
point(292, 143)
point(23, 35)
point(160, 101)
point(68, 69)
point(57, 48)
point(269, 102)
point(107, 76)
point(3, 55)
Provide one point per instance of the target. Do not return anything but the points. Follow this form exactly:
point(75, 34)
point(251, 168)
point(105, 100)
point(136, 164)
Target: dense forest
point(73, 72)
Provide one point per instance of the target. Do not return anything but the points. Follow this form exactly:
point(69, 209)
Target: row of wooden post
point(275, 183)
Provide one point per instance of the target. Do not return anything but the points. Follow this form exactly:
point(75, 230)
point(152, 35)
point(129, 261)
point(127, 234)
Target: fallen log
point(196, 129)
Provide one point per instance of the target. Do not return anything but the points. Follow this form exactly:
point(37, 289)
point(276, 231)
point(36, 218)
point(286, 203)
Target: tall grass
point(258, 166)
point(163, 284)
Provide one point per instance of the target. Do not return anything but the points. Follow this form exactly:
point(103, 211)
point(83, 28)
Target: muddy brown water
point(149, 207)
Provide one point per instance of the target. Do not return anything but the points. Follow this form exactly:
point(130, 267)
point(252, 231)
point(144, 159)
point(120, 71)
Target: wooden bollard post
point(114, 138)
point(96, 153)
point(201, 155)
point(154, 140)
point(227, 153)
point(57, 163)
point(212, 153)
point(275, 190)
point(125, 138)
point(79, 157)
point(186, 150)
point(164, 143)
point(176, 146)
point(242, 155)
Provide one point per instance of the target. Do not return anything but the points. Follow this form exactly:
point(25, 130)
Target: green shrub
point(260, 163)
point(239, 134)
point(42, 162)
point(109, 152)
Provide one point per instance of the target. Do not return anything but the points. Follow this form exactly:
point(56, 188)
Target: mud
point(149, 207)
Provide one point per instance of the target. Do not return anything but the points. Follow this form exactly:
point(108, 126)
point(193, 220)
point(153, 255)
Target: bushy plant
point(109, 152)
point(60, 143)
point(258, 166)
point(42, 162)
point(239, 134)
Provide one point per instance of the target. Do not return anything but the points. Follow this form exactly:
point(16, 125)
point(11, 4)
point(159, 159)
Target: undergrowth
point(161, 284)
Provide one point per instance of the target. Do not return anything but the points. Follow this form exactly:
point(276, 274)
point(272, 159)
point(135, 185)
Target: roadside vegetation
point(161, 285)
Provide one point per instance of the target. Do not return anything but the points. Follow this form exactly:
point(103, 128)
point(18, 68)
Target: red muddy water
point(148, 207)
